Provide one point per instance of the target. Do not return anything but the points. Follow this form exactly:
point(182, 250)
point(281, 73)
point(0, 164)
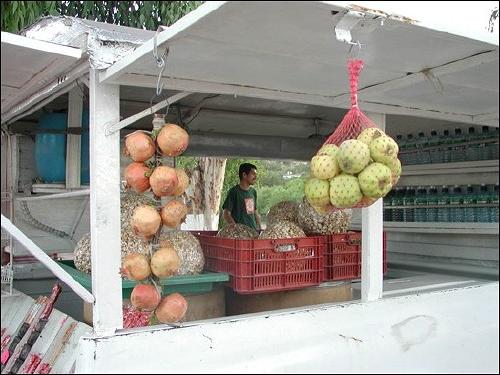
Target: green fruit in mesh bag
point(395, 167)
point(353, 156)
point(328, 150)
point(383, 149)
point(317, 192)
point(324, 167)
point(368, 135)
point(375, 180)
point(345, 191)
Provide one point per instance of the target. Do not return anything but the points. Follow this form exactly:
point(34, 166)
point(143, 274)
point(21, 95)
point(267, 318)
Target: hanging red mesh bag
point(355, 121)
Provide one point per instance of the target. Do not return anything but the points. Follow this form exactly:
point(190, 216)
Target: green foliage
point(17, 15)
point(187, 163)
point(268, 196)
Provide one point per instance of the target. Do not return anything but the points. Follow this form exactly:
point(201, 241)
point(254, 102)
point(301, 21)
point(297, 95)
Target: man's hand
point(228, 218)
point(257, 220)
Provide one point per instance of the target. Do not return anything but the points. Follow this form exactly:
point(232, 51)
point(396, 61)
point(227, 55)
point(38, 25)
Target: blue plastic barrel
point(85, 161)
point(50, 148)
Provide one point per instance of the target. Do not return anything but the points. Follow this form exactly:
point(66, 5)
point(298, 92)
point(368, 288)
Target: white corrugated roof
point(29, 65)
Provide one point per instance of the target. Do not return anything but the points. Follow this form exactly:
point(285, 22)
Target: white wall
point(444, 331)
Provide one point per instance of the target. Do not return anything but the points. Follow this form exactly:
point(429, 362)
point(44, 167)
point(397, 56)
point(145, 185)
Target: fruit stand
point(277, 65)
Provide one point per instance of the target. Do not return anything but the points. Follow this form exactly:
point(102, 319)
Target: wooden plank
point(23, 349)
point(83, 192)
point(57, 270)
point(73, 143)
point(105, 206)
point(56, 321)
point(372, 231)
point(57, 346)
point(65, 361)
point(147, 112)
point(11, 354)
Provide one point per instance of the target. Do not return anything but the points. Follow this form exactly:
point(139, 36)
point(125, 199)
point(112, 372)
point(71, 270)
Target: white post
point(73, 141)
point(372, 231)
point(105, 206)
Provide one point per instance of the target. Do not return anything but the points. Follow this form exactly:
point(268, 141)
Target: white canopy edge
point(387, 9)
point(39, 45)
point(63, 66)
point(170, 33)
point(435, 15)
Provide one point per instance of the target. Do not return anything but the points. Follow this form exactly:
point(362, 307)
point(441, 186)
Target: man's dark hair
point(245, 168)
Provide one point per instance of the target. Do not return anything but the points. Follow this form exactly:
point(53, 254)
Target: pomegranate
point(173, 213)
point(172, 308)
point(163, 181)
point(139, 146)
point(165, 262)
point(136, 266)
point(145, 221)
point(172, 140)
point(145, 297)
point(137, 177)
point(183, 182)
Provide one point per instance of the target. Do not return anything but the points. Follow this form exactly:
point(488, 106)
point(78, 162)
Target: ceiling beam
point(339, 101)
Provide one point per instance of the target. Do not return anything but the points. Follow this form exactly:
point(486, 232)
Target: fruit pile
point(354, 174)
point(147, 221)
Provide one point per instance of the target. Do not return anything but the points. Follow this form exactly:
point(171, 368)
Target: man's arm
point(228, 217)
point(257, 220)
point(257, 216)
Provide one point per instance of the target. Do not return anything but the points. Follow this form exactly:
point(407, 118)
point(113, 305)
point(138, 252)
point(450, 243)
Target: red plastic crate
point(343, 256)
point(259, 266)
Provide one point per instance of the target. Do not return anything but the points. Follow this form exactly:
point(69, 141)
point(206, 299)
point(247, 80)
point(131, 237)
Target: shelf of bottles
point(449, 148)
point(448, 204)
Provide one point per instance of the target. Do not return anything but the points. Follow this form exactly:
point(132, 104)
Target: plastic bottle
point(402, 148)
point(494, 210)
point(493, 146)
point(432, 200)
point(472, 150)
point(423, 152)
point(397, 200)
point(457, 153)
point(409, 200)
point(483, 149)
point(434, 143)
point(388, 202)
point(421, 200)
point(469, 199)
point(445, 144)
point(482, 214)
point(455, 202)
point(411, 150)
point(443, 200)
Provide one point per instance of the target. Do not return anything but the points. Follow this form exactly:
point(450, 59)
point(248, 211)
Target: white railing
point(39, 254)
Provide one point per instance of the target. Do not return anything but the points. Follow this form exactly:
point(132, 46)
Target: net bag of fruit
point(357, 164)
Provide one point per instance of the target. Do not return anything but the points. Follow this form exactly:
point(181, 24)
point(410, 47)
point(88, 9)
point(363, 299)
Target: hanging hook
point(160, 62)
point(358, 50)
